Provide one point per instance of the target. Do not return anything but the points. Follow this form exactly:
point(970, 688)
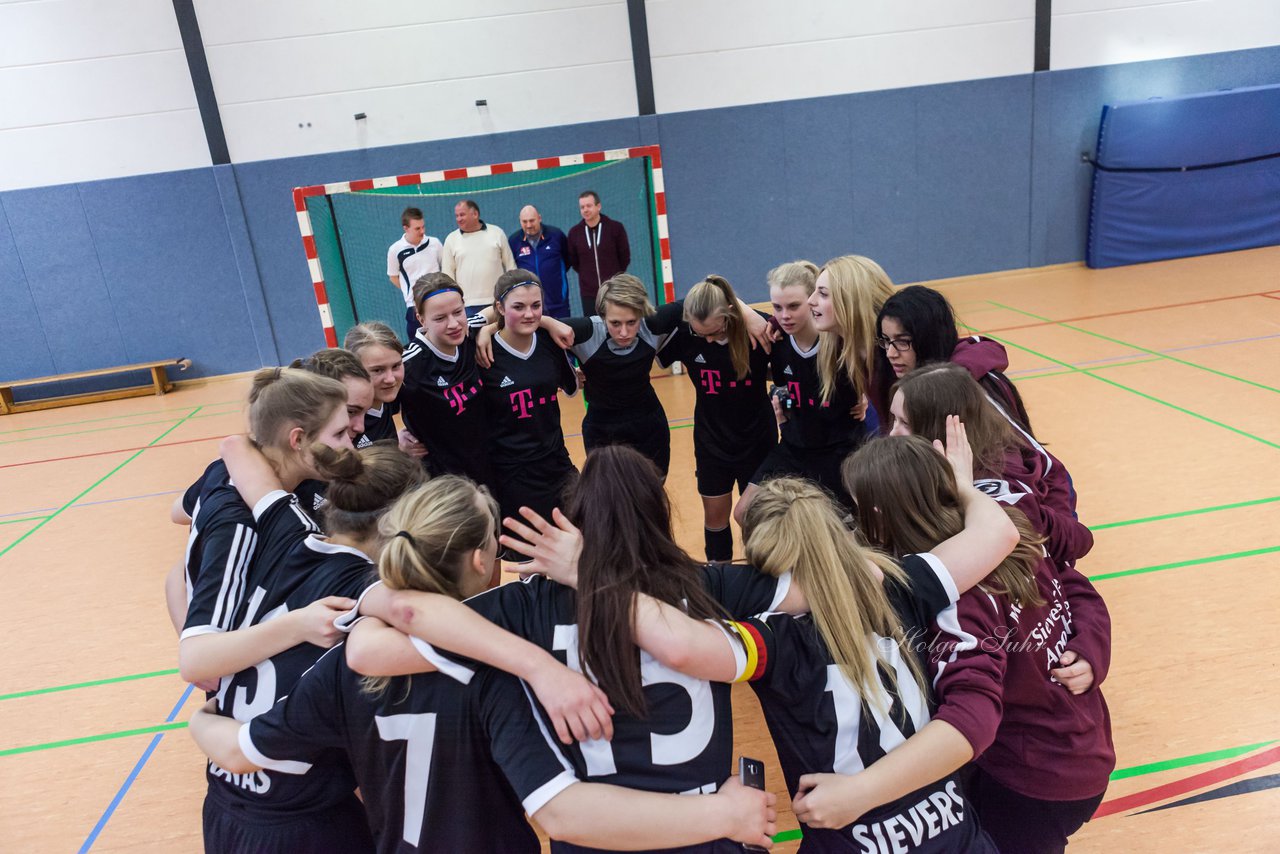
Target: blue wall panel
point(973, 193)
point(24, 352)
point(723, 219)
point(72, 301)
point(931, 181)
point(1068, 106)
point(167, 262)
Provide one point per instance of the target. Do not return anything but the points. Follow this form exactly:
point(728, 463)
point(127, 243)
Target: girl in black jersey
point(848, 293)
point(616, 348)
point(441, 401)
point(734, 427)
point(345, 367)
point(297, 577)
point(289, 411)
point(671, 732)
point(817, 434)
point(382, 354)
point(521, 389)
point(407, 738)
point(843, 692)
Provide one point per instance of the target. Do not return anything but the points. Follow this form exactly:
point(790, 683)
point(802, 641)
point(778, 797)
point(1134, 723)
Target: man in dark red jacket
point(598, 249)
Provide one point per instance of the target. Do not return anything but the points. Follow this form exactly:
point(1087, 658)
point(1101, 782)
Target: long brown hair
point(628, 548)
point(907, 503)
point(363, 484)
point(859, 287)
point(711, 299)
point(792, 526)
point(932, 392)
point(431, 533)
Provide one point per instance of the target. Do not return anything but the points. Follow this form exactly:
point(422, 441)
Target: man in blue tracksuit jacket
point(540, 249)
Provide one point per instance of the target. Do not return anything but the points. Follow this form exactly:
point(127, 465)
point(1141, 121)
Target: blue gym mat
point(1186, 176)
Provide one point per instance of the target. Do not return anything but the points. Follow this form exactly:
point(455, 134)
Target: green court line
point(1184, 761)
point(1183, 513)
point(1074, 369)
point(15, 521)
point(112, 418)
point(55, 514)
point(106, 736)
point(116, 427)
point(109, 681)
point(1166, 356)
point(788, 835)
point(1181, 563)
point(1123, 387)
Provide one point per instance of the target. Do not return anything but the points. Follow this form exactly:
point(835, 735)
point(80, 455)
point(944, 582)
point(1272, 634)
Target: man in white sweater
point(475, 255)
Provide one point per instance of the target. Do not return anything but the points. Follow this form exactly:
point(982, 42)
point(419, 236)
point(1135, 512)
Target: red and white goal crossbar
point(300, 195)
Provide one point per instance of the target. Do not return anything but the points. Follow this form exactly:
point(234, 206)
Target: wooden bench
point(159, 385)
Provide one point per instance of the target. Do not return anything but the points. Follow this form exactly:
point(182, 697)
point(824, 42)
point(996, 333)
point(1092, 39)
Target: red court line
point(115, 451)
point(1273, 295)
point(1126, 311)
point(1190, 784)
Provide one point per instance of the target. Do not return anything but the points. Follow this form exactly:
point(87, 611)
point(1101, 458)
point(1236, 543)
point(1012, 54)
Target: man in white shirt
point(475, 255)
point(409, 259)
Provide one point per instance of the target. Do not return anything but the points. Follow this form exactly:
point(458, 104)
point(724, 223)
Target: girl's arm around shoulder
point(836, 800)
point(969, 659)
point(699, 648)
point(218, 738)
point(604, 816)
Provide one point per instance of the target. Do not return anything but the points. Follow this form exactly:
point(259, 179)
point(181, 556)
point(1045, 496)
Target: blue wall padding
point(24, 352)
point(1217, 205)
point(931, 181)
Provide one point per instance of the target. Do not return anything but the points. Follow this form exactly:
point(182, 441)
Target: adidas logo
point(317, 502)
point(506, 381)
point(700, 360)
point(787, 370)
point(442, 382)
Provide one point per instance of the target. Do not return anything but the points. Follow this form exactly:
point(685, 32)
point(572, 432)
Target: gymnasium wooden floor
point(1158, 385)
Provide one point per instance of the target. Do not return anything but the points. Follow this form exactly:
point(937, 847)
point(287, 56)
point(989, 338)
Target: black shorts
point(647, 432)
point(1016, 822)
point(341, 827)
point(538, 485)
point(822, 466)
point(717, 476)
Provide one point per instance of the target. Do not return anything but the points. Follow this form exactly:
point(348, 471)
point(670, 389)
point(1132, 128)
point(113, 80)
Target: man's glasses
point(902, 345)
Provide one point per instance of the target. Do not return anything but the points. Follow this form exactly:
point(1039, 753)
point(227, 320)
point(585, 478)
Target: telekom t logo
point(457, 402)
point(711, 381)
point(793, 388)
point(522, 402)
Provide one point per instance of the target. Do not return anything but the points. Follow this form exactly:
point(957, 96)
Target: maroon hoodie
point(991, 665)
point(1042, 472)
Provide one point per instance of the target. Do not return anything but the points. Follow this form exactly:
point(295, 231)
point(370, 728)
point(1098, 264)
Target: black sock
point(719, 543)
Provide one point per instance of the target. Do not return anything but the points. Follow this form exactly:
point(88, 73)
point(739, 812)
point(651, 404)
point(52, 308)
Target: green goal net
point(353, 228)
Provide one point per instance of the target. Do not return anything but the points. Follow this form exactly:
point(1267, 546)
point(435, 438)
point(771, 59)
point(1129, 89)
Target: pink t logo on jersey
point(522, 402)
point(711, 381)
point(793, 388)
point(457, 401)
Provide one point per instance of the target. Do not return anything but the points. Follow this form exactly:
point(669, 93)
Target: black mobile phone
point(751, 775)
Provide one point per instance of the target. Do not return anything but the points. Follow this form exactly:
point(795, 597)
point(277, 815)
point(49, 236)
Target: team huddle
point(927, 658)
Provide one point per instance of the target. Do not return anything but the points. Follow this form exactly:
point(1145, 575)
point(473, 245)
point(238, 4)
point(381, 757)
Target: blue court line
point(133, 775)
point(1140, 353)
point(93, 503)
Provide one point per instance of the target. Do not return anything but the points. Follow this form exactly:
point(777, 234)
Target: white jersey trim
point(542, 795)
point(513, 351)
point(781, 591)
point(266, 501)
point(317, 543)
point(196, 631)
point(346, 622)
point(804, 354)
point(455, 671)
point(254, 755)
point(944, 575)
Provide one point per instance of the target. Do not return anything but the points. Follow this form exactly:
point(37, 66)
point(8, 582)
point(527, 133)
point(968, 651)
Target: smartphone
point(751, 775)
